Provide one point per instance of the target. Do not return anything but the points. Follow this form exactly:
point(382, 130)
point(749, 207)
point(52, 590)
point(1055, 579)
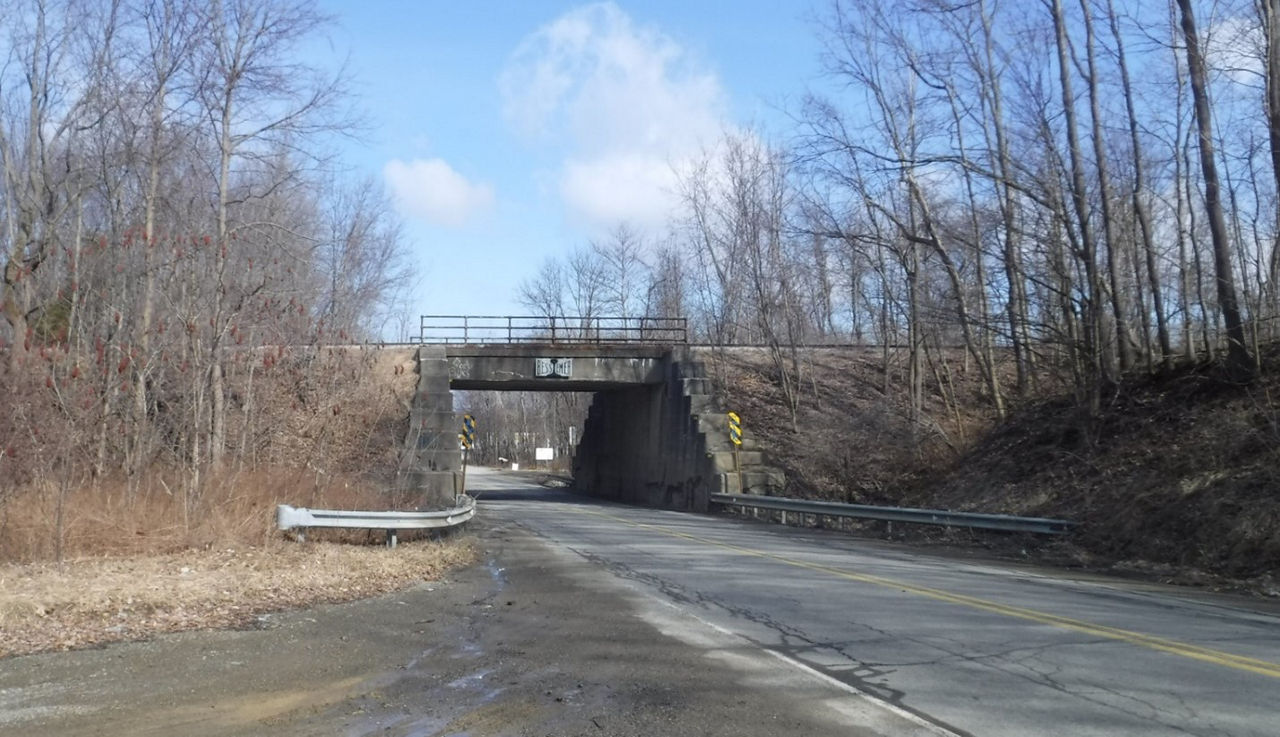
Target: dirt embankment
point(854, 437)
point(1178, 477)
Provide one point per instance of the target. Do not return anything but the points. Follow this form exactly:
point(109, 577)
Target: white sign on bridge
point(559, 368)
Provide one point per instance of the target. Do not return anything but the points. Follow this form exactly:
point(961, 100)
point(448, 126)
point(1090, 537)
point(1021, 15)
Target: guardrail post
point(391, 538)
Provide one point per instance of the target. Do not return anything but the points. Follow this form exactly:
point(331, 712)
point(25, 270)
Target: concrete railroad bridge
point(655, 434)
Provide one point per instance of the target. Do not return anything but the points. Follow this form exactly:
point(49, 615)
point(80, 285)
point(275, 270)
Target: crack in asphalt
point(793, 642)
point(1029, 663)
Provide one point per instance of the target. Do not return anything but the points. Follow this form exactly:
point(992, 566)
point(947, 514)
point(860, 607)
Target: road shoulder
point(530, 641)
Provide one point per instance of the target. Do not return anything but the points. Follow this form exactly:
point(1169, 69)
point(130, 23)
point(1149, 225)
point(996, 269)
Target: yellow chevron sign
point(468, 435)
point(735, 428)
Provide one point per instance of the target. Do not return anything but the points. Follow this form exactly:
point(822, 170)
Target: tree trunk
point(217, 385)
point(1140, 208)
point(1119, 308)
point(1270, 10)
point(1079, 200)
point(1017, 307)
point(1238, 357)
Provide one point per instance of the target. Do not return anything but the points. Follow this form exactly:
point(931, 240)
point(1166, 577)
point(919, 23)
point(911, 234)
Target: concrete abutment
point(667, 445)
point(655, 434)
point(431, 462)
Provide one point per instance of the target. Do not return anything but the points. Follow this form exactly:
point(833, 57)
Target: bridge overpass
point(654, 435)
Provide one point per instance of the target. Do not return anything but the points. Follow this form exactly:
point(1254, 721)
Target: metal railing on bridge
point(498, 329)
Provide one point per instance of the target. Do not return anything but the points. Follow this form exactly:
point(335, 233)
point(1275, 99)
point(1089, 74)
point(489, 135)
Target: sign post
point(468, 439)
point(735, 436)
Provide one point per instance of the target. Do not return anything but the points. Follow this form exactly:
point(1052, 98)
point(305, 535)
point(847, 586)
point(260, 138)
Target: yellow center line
point(1154, 642)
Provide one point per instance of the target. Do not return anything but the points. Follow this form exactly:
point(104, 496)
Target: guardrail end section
point(288, 517)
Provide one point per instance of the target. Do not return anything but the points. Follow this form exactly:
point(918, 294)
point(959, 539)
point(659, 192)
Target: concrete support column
point(433, 459)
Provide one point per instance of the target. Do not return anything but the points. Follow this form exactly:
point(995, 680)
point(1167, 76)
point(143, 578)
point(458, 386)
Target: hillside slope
point(1179, 475)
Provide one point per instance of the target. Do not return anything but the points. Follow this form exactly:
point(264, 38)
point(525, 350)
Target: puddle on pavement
point(467, 649)
point(413, 664)
point(469, 680)
point(282, 702)
point(430, 727)
point(498, 573)
point(377, 724)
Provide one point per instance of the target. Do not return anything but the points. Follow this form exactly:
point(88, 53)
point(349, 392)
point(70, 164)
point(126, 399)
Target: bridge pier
point(432, 461)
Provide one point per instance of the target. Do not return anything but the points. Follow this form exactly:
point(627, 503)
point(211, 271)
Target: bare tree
point(42, 103)
point(665, 293)
point(1098, 367)
point(1119, 308)
point(361, 260)
point(1237, 350)
point(544, 293)
point(622, 258)
point(244, 66)
point(1138, 192)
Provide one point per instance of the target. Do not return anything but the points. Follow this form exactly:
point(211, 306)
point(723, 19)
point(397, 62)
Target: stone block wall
point(667, 445)
point(431, 461)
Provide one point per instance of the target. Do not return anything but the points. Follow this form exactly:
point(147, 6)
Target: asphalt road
point(585, 618)
point(975, 648)
point(532, 641)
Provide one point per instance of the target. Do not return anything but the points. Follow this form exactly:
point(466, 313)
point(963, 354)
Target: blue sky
point(508, 132)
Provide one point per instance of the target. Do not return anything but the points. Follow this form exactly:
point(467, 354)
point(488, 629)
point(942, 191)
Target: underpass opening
point(525, 430)
point(537, 395)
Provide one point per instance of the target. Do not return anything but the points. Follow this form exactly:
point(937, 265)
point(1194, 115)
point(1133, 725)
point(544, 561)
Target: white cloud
point(432, 190)
point(626, 103)
point(634, 188)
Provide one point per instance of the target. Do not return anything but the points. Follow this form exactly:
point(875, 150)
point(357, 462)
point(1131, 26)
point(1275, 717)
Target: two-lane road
point(973, 647)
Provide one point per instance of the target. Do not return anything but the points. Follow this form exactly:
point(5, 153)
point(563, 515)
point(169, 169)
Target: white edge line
point(814, 672)
point(568, 550)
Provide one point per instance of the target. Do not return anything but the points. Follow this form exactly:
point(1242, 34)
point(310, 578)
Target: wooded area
point(1069, 191)
point(168, 209)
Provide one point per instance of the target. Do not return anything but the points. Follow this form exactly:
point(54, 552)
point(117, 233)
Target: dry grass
point(88, 561)
point(235, 509)
point(317, 427)
point(92, 601)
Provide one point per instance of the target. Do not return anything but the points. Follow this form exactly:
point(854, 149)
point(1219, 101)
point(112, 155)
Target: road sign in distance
point(468, 431)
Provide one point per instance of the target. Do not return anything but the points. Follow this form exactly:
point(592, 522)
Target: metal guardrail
point(288, 518)
point(1007, 523)
point(499, 329)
